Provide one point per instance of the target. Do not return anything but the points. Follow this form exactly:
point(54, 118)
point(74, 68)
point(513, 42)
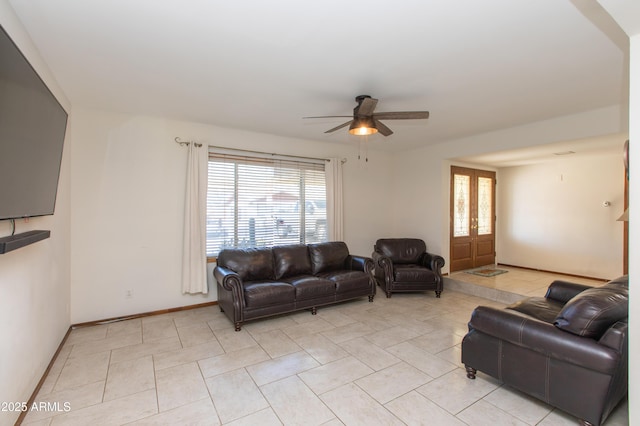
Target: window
point(262, 202)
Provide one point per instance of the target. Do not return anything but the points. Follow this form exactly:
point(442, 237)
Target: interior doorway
point(472, 218)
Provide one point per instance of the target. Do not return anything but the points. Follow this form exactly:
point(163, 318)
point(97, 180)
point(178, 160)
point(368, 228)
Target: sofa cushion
point(328, 256)
point(411, 273)
point(346, 281)
point(259, 294)
point(250, 264)
point(401, 250)
point(291, 260)
point(310, 287)
point(540, 308)
point(593, 311)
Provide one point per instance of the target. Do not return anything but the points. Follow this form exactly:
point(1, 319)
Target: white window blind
point(262, 202)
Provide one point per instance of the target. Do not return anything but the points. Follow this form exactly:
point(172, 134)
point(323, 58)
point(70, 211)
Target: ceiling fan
point(367, 122)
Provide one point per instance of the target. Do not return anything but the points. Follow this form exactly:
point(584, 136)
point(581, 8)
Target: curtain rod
point(182, 143)
point(342, 160)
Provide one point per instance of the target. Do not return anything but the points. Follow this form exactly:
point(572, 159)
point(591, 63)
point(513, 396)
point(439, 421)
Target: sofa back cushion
point(540, 308)
point(291, 260)
point(328, 256)
point(251, 264)
point(401, 250)
point(593, 311)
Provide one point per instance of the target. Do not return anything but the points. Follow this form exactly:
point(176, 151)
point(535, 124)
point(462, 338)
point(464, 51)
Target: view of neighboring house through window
point(263, 202)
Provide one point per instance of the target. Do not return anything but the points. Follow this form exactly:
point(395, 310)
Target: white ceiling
point(599, 145)
point(258, 65)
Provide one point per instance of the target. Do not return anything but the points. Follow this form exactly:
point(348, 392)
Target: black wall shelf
point(17, 241)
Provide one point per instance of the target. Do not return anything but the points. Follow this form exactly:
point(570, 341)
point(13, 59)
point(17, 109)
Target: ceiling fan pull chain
point(366, 149)
point(364, 140)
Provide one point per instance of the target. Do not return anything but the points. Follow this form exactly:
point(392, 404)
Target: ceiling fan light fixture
point(363, 126)
point(368, 122)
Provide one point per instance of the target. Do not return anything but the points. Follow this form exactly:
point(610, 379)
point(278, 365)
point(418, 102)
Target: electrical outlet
point(128, 294)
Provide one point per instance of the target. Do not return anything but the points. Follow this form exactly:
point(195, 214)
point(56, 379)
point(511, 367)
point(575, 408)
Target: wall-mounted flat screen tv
point(32, 130)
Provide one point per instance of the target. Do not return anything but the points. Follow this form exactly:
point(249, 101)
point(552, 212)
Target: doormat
point(487, 272)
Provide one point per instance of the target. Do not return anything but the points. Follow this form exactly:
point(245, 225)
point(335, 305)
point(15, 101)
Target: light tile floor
point(391, 362)
point(522, 281)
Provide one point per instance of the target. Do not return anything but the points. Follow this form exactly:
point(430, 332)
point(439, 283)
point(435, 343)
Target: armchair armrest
point(563, 291)
point(381, 260)
point(432, 261)
point(522, 330)
point(384, 267)
point(377, 256)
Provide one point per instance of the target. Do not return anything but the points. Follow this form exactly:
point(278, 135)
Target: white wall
point(421, 176)
point(551, 215)
point(128, 181)
point(34, 280)
point(634, 229)
point(627, 15)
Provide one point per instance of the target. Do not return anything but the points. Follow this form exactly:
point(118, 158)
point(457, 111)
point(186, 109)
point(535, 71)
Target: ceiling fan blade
point(367, 106)
point(331, 116)
point(401, 115)
point(339, 127)
point(382, 129)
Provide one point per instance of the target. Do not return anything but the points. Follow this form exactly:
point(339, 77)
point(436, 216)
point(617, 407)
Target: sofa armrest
point(525, 331)
point(228, 279)
point(615, 337)
point(563, 291)
point(359, 263)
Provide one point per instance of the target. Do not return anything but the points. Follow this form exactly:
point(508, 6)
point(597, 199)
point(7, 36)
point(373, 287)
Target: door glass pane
point(461, 205)
point(485, 195)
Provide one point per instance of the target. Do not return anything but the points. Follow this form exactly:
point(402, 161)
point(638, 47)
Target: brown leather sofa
point(403, 264)
point(568, 349)
point(256, 283)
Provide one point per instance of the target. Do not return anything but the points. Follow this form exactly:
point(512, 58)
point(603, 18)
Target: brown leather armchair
point(403, 264)
point(568, 349)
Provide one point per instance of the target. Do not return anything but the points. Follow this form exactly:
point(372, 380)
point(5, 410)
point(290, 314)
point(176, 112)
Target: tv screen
point(32, 129)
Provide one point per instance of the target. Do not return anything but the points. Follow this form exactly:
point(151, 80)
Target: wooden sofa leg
point(471, 372)
point(314, 310)
point(238, 326)
point(438, 293)
point(370, 298)
point(388, 295)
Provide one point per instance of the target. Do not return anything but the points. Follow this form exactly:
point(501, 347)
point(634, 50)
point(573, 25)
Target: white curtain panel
point(333, 176)
point(194, 255)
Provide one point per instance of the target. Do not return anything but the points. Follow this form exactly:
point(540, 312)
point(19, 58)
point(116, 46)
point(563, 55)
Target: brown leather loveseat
point(568, 349)
point(256, 283)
